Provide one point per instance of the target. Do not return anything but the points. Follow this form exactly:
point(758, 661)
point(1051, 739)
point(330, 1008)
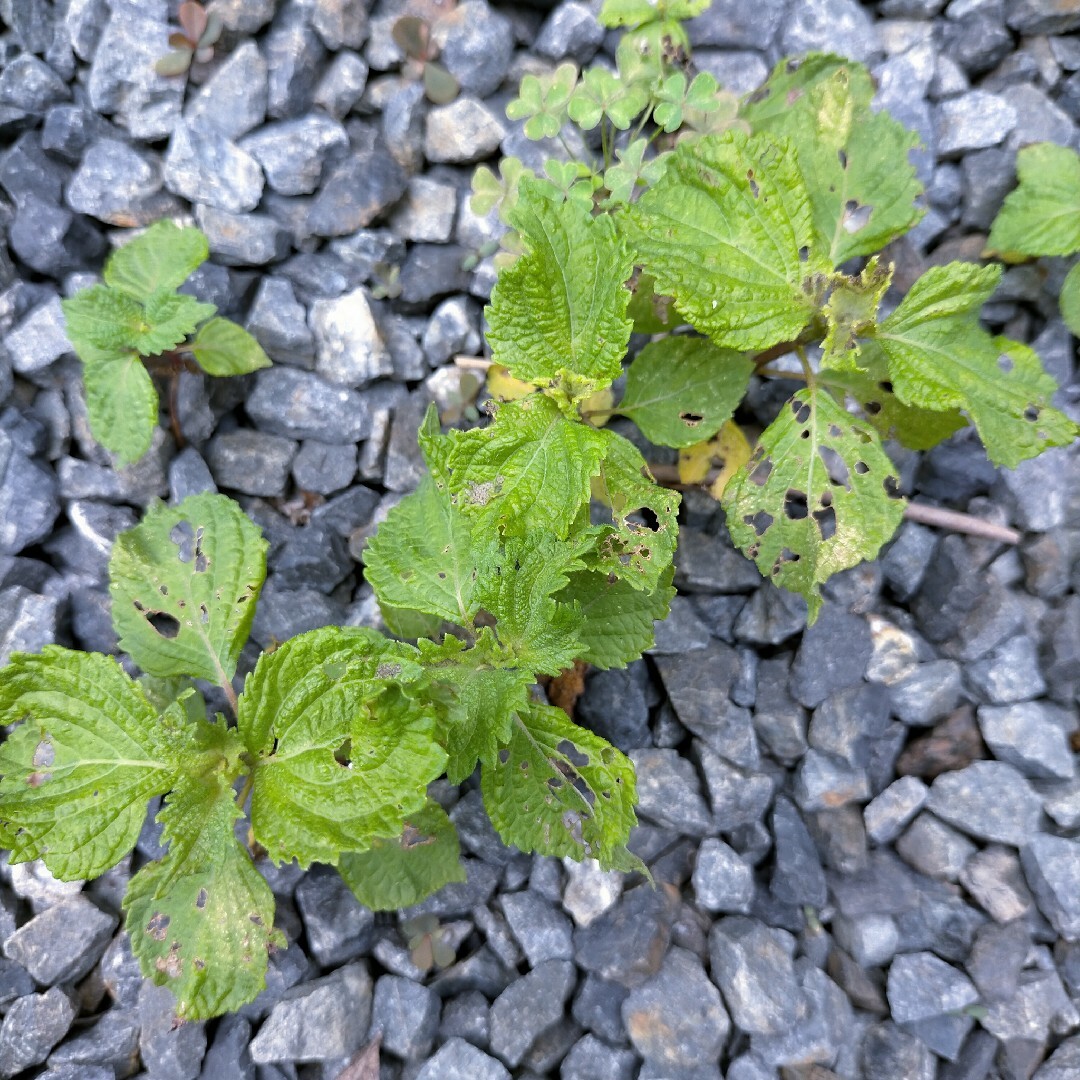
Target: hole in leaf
point(855, 216)
point(158, 926)
point(826, 522)
point(200, 900)
point(760, 521)
point(204, 613)
point(200, 965)
point(183, 536)
point(873, 407)
point(891, 485)
point(754, 189)
point(795, 505)
point(793, 65)
point(1031, 413)
point(164, 590)
point(648, 518)
point(44, 755)
point(843, 158)
point(1005, 363)
point(36, 779)
point(200, 558)
point(804, 434)
point(801, 409)
point(691, 419)
point(343, 754)
point(753, 551)
point(862, 468)
point(504, 756)
point(572, 754)
point(886, 386)
point(555, 782)
point(761, 472)
point(804, 253)
point(834, 431)
point(164, 623)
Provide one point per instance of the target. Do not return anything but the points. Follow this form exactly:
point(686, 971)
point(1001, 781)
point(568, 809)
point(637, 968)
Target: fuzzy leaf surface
point(163, 257)
point(1042, 216)
point(223, 348)
point(855, 160)
point(100, 318)
point(940, 358)
point(617, 619)
point(722, 231)
point(680, 390)
point(852, 312)
point(400, 871)
point(561, 308)
point(343, 754)
point(817, 496)
point(170, 318)
point(121, 402)
point(529, 469)
point(184, 584)
point(560, 790)
point(77, 774)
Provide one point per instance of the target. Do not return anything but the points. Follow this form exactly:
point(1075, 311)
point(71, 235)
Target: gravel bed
point(863, 834)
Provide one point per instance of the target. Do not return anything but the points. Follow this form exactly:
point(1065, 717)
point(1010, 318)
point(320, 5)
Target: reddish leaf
point(193, 19)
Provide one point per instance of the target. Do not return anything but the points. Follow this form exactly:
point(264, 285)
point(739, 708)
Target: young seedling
point(195, 40)
point(138, 314)
point(412, 35)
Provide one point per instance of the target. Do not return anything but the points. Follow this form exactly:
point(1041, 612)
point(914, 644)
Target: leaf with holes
point(616, 619)
point(560, 789)
point(529, 469)
point(342, 752)
point(400, 871)
point(817, 496)
point(680, 390)
point(1042, 216)
point(170, 318)
point(561, 308)
point(940, 358)
point(223, 348)
point(162, 257)
point(850, 313)
point(201, 919)
point(855, 160)
point(121, 403)
point(728, 232)
point(87, 754)
point(184, 584)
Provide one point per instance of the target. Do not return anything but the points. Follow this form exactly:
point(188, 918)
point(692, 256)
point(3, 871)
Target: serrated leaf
point(862, 185)
point(401, 871)
point(519, 589)
point(1042, 216)
point(487, 689)
point(100, 318)
point(851, 312)
point(423, 557)
point(561, 308)
point(817, 496)
point(164, 256)
point(727, 230)
point(529, 469)
point(1070, 300)
point(343, 754)
point(201, 919)
point(184, 584)
point(617, 619)
point(77, 774)
point(223, 348)
point(169, 318)
point(121, 403)
point(639, 543)
point(680, 390)
point(940, 358)
point(560, 790)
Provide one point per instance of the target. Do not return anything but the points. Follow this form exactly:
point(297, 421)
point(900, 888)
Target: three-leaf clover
point(542, 101)
point(601, 93)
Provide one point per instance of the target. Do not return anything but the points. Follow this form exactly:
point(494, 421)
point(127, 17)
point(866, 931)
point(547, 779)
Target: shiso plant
point(136, 315)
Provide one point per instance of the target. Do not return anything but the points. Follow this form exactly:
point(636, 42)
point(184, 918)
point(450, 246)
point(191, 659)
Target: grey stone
point(972, 121)
point(591, 1059)
point(29, 84)
point(827, 24)
point(242, 239)
point(477, 47)
point(465, 1017)
point(904, 562)
point(797, 874)
point(404, 463)
point(737, 797)
point(432, 271)
point(669, 792)
point(205, 167)
point(294, 56)
point(402, 126)
point(349, 349)
point(723, 880)
point(233, 99)
point(116, 184)
point(27, 621)
point(464, 131)
point(934, 849)
point(427, 211)
point(1052, 868)
point(324, 468)
point(189, 475)
point(825, 781)
point(998, 955)
point(989, 800)
point(871, 940)
point(929, 692)
point(676, 1019)
point(32, 1027)
point(1028, 736)
point(994, 880)
point(38, 339)
point(706, 563)
point(292, 152)
point(570, 32)
point(112, 1041)
point(28, 499)
point(458, 1060)
point(741, 71)
point(317, 1021)
point(31, 22)
point(301, 405)
point(779, 721)
point(451, 330)
point(62, 943)
point(731, 24)
point(770, 616)
point(122, 81)
point(1007, 675)
point(1063, 1063)
point(888, 1051)
point(848, 723)
point(341, 85)
point(245, 16)
point(989, 175)
point(528, 1008)
point(681, 632)
point(83, 24)
point(921, 986)
point(1038, 490)
point(833, 655)
point(341, 23)
point(279, 323)
point(407, 1014)
point(1043, 16)
point(228, 1054)
point(542, 931)
point(754, 970)
point(1039, 1008)
point(597, 1006)
point(251, 462)
point(356, 192)
point(168, 1049)
point(338, 927)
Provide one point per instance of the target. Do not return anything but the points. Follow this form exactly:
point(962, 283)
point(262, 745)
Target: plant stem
point(245, 791)
point(808, 371)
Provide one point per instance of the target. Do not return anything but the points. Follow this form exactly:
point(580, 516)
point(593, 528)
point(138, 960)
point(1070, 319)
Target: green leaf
point(424, 558)
point(940, 358)
point(529, 469)
point(651, 312)
point(491, 191)
point(818, 495)
point(618, 619)
point(680, 390)
point(851, 312)
point(343, 754)
point(77, 774)
point(1070, 300)
point(518, 590)
point(560, 790)
point(121, 403)
point(616, 13)
point(1042, 216)
point(401, 871)
point(100, 318)
point(162, 257)
point(561, 308)
point(542, 101)
point(727, 231)
point(184, 584)
point(674, 96)
point(170, 318)
point(201, 919)
point(639, 544)
point(487, 689)
point(855, 160)
point(633, 169)
point(570, 181)
point(601, 93)
point(223, 348)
